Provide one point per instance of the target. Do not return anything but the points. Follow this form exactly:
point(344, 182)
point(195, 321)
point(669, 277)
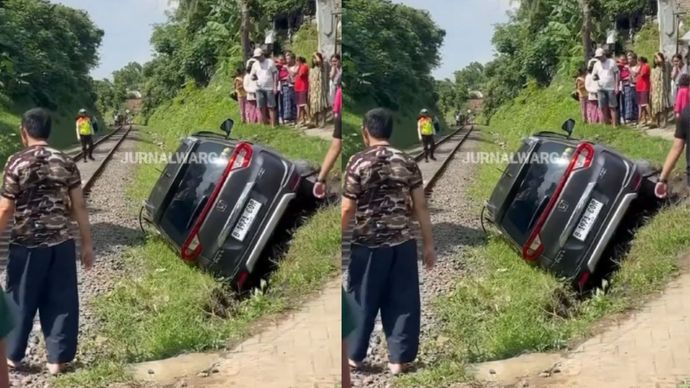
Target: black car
point(219, 201)
point(562, 211)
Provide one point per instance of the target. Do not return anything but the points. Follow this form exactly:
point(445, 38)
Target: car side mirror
point(568, 126)
point(226, 126)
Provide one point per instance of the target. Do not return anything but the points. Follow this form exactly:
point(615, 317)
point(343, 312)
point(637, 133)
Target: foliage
point(389, 52)
point(201, 37)
point(46, 50)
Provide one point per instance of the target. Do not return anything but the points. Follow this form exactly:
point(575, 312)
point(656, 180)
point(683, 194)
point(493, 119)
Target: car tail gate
point(245, 199)
point(592, 185)
point(155, 205)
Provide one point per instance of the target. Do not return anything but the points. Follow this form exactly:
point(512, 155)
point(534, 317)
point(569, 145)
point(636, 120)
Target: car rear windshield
point(200, 175)
point(546, 166)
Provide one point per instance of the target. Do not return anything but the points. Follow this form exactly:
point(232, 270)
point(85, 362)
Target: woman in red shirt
point(302, 91)
point(642, 86)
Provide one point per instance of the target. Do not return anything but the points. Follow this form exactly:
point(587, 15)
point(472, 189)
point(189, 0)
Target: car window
point(547, 164)
point(200, 175)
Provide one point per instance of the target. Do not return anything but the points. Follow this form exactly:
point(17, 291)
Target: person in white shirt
point(606, 73)
point(265, 72)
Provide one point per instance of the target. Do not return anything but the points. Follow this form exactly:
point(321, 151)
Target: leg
point(368, 277)
point(432, 146)
point(613, 107)
point(91, 147)
point(59, 305)
point(271, 108)
point(84, 148)
point(27, 270)
point(400, 305)
point(243, 109)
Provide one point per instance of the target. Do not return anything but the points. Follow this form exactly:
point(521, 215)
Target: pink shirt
point(682, 99)
point(338, 101)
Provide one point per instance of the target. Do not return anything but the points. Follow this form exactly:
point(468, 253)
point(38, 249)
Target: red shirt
point(682, 99)
point(643, 83)
point(302, 79)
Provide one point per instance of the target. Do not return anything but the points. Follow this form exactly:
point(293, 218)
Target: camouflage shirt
point(38, 180)
point(381, 180)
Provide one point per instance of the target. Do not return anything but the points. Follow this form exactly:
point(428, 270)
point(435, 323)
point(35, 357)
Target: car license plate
point(587, 220)
point(246, 219)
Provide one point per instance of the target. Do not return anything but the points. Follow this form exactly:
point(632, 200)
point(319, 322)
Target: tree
point(244, 29)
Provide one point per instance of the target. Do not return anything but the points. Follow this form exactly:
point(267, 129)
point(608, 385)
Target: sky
point(128, 25)
point(469, 26)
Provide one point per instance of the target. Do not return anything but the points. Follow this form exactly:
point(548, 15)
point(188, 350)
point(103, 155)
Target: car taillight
point(584, 154)
point(241, 279)
point(240, 159)
point(584, 277)
point(294, 182)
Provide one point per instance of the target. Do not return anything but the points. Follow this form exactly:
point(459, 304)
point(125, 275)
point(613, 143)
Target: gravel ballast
point(456, 228)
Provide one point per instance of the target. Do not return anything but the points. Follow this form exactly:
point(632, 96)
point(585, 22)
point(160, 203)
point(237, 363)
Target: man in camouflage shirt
point(383, 191)
point(42, 189)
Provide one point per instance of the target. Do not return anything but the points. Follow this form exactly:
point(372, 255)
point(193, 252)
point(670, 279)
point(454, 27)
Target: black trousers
point(385, 279)
point(87, 145)
point(429, 146)
point(44, 280)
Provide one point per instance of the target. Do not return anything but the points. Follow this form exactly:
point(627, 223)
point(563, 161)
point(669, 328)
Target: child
point(682, 95)
point(241, 94)
point(5, 327)
point(302, 92)
point(250, 88)
point(582, 92)
point(592, 87)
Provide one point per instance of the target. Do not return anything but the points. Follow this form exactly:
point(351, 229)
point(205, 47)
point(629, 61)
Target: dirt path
point(301, 350)
point(650, 348)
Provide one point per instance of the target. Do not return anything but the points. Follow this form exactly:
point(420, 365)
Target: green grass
point(506, 307)
point(165, 307)
point(404, 127)
point(306, 42)
point(647, 41)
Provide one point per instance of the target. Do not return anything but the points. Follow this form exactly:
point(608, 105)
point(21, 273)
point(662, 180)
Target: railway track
point(104, 148)
point(446, 148)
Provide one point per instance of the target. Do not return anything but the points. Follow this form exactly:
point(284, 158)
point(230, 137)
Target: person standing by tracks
point(425, 132)
point(85, 132)
point(42, 190)
point(384, 192)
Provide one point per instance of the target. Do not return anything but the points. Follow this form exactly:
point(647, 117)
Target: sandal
point(355, 364)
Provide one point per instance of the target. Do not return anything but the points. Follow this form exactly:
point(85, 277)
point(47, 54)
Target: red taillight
point(584, 154)
point(294, 182)
point(240, 159)
point(241, 279)
point(583, 280)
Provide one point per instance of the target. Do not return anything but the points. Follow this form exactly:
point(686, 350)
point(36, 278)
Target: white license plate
point(246, 219)
point(587, 220)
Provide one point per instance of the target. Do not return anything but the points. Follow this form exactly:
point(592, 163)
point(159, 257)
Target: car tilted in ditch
point(220, 201)
point(561, 200)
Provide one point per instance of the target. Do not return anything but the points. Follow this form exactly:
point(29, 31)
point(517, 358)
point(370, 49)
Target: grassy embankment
point(166, 307)
point(505, 307)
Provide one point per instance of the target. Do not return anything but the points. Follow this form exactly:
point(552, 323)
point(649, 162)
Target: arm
point(331, 157)
point(672, 158)
point(347, 212)
point(81, 215)
point(6, 212)
point(419, 131)
point(76, 126)
point(422, 214)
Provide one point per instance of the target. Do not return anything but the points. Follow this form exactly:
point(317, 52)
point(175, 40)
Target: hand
point(319, 190)
point(429, 257)
point(661, 190)
point(87, 258)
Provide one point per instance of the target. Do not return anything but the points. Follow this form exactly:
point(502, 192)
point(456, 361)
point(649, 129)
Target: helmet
point(82, 111)
point(424, 112)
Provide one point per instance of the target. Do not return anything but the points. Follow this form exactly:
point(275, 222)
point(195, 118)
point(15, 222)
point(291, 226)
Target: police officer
point(85, 132)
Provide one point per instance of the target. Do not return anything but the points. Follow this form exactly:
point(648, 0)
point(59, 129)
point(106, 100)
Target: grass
point(167, 307)
point(505, 307)
point(405, 125)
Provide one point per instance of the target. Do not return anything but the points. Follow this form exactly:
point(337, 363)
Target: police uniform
point(383, 272)
point(41, 270)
